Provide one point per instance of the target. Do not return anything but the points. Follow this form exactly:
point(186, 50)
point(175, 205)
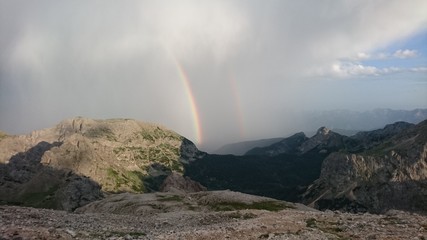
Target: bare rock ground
point(203, 216)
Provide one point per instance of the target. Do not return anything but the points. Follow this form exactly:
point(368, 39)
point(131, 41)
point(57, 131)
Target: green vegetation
point(163, 153)
point(158, 133)
point(264, 205)
point(311, 223)
point(380, 150)
point(41, 199)
point(147, 136)
point(99, 132)
point(132, 179)
point(150, 146)
point(2, 135)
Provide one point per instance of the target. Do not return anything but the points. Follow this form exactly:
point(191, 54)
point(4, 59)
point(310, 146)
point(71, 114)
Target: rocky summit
point(118, 155)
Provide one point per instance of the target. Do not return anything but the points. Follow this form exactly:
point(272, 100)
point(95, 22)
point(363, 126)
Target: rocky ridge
point(118, 154)
point(324, 140)
point(287, 145)
point(390, 174)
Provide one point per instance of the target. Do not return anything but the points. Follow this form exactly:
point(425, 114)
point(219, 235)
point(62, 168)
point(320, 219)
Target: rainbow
point(196, 116)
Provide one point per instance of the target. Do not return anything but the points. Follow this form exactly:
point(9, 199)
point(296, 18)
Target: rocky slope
point(206, 201)
point(30, 223)
point(118, 154)
point(391, 173)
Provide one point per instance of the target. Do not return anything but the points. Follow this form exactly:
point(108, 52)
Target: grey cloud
point(107, 59)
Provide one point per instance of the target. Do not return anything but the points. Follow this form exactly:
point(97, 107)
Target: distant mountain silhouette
point(240, 148)
point(344, 122)
point(361, 121)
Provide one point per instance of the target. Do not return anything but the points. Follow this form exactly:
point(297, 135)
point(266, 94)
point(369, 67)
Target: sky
point(214, 71)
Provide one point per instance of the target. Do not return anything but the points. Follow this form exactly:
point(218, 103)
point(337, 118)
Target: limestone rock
point(391, 175)
point(178, 182)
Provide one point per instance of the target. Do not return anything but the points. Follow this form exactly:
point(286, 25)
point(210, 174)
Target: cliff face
point(119, 155)
point(391, 174)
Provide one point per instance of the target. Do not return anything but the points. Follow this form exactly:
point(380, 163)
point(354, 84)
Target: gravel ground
point(30, 223)
point(203, 215)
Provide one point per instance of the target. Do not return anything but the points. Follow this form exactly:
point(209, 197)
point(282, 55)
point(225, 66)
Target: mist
point(255, 67)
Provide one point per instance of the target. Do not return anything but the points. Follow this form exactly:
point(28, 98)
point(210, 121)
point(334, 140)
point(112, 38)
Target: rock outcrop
point(390, 175)
point(325, 140)
point(177, 182)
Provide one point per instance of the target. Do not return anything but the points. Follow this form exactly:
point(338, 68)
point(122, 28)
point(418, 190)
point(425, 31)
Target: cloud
point(349, 69)
point(419, 69)
point(108, 59)
point(402, 54)
point(405, 53)
point(363, 56)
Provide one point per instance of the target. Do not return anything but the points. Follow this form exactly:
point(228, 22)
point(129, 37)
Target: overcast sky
point(252, 66)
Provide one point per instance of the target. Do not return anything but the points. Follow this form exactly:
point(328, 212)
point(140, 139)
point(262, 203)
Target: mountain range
point(344, 122)
point(83, 160)
point(371, 171)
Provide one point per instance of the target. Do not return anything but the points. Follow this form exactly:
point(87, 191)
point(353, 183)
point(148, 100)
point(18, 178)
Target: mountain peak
point(118, 154)
point(323, 131)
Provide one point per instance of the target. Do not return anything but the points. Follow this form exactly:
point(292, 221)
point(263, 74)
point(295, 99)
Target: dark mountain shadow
point(25, 181)
point(285, 176)
point(157, 173)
